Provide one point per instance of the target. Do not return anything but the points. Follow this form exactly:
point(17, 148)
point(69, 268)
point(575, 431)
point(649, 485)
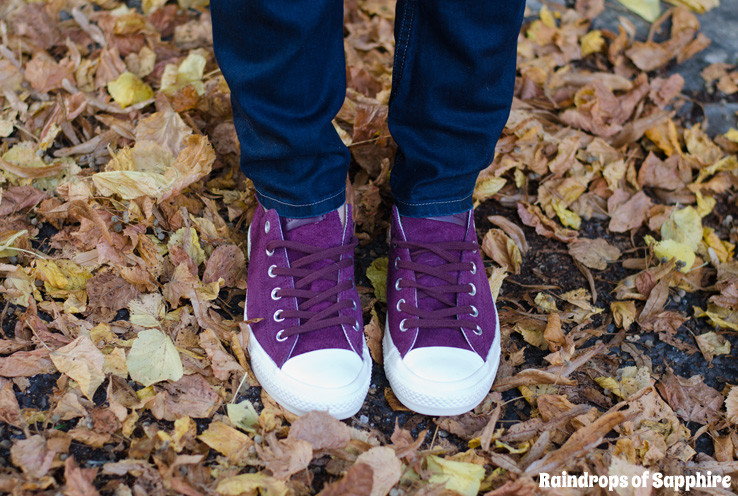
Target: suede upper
point(325, 232)
point(429, 231)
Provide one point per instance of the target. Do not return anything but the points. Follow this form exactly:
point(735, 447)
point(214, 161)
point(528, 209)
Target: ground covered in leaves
point(609, 219)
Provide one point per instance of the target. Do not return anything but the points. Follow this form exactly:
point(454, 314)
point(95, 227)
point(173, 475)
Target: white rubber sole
point(298, 397)
point(439, 398)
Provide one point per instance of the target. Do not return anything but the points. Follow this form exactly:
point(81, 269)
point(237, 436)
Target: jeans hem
point(302, 210)
point(435, 208)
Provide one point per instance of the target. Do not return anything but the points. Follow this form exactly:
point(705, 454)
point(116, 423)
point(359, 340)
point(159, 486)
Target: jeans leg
point(284, 63)
point(452, 87)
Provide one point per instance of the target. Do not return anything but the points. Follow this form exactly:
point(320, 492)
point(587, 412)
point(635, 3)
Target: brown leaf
point(503, 250)
point(357, 482)
point(222, 363)
point(226, 261)
point(16, 198)
point(9, 408)
point(27, 363)
point(321, 430)
point(285, 457)
point(691, 399)
point(79, 480)
point(529, 377)
point(731, 405)
point(630, 214)
point(374, 333)
point(108, 293)
point(386, 466)
point(190, 396)
point(511, 229)
point(532, 216)
point(579, 443)
point(594, 253)
point(32, 456)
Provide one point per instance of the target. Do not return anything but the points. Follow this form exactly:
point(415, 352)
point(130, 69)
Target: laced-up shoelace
point(303, 276)
point(450, 316)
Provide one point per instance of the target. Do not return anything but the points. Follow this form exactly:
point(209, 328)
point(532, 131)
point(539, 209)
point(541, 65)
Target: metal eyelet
point(356, 327)
point(272, 274)
point(473, 289)
point(277, 317)
point(397, 259)
point(474, 268)
point(478, 331)
point(279, 336)
point(274, 294)
point(402, 326)
point(397, 283)
point(354, 303)
point(402, 300)
point(475, 312)
point(269, 253)
point(267, 226)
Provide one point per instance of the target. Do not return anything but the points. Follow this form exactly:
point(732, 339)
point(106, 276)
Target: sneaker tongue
point(434, 230)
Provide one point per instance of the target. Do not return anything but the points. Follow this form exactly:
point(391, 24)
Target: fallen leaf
point(167, 366)
point(83, 362)
point(594, 253)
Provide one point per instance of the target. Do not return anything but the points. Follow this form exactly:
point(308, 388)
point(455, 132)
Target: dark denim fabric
point(453, 79)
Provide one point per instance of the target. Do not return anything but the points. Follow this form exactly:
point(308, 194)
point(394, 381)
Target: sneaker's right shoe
point(442, 339)
point(308, 350)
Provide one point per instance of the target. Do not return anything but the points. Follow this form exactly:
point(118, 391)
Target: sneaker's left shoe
point(442, 339)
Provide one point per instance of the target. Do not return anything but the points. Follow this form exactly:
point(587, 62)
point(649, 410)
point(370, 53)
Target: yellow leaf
point(547, 17)
point(566, 216)
point(147, 310)
point(684, 226)
point(129, 89)
point(61, 276)
point(712, 343)
point(650, 10)
point(592, 42)
point(624, 313)
point(732, 134)
point(705, 204)
point(632, 380)
point(7, 240)
point(243, 415)
point(669, 249)
point(723, 250)
point(252, 484)
point(665, 137)
point(377, 274)
point(226, 440)
point(190, 71)
point(496, 278)
point(152, 5)
point(699, 6)
point(130, 185)
point(546, 302)
point(464, 478)
point(167, 365)
point(187, 238)
point(487, 188)
point(83, 362)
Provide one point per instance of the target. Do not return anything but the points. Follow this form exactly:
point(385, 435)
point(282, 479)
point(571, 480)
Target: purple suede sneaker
point(308, 351)
point(441, 341)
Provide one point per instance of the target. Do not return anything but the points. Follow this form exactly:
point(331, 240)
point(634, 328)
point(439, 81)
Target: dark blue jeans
point(452, 85)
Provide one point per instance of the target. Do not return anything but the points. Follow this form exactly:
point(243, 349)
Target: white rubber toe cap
point(331, 368)
point(441, 364)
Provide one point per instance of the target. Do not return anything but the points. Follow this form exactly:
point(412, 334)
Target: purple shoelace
point(447, 317)
point(303, 276)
